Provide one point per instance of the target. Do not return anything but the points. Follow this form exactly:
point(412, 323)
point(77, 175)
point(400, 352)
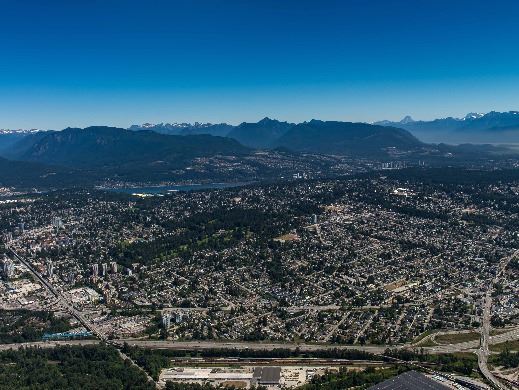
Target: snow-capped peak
point(472, 116)
point(19, 131)
point(173, 125)
point(407, 119)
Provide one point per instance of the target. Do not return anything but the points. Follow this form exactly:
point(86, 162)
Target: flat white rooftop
point(204, 374)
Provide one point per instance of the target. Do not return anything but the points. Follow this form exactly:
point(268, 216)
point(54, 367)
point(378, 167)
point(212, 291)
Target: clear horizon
point(249, 121)
point(118, 63)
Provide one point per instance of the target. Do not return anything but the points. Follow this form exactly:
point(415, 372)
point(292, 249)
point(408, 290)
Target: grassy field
point(422, 336)
point(428, 343)
point(511, 345)
point(456, 338)
point(495, 332)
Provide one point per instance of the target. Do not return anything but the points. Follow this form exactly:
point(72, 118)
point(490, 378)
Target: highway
point(62, 300)
point(512, 334)
point(483, 350)
point(166, 344)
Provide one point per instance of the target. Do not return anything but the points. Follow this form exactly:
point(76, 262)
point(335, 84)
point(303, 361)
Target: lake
point(174, 188)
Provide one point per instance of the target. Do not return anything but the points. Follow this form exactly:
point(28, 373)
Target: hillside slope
point(102, 146)
point(346, 138)
point(262, 134)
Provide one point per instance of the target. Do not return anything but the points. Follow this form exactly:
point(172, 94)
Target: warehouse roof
point(410, 380)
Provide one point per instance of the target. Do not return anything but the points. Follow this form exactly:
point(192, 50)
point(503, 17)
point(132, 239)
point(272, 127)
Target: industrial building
point(410, 380)
point(266, 376)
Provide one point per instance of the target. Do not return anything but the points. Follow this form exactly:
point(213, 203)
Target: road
point(483, 350)
point(166, 344)
point(62, 300)
point(162, 344)
point(334, 328)
point(510, 335)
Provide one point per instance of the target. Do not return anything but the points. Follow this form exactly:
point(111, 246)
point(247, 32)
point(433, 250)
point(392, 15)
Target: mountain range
point(110, 146)
point(8, 138)
point(263, 134)
point(220, 129)
point(94, 154)
point(493, 127)
point(316, 136)
point(77, 156)
point(151, 153)
point(346, 138)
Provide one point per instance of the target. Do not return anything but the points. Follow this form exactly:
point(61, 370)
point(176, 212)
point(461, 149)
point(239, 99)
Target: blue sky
point(80, 63)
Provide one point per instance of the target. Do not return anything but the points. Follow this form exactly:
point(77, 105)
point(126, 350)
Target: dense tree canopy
point(91, 367)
